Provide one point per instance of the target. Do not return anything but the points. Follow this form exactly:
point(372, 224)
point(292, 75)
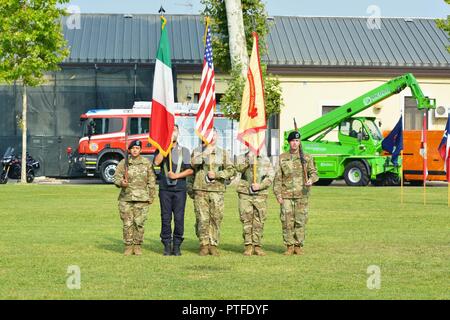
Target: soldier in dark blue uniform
point(172, 194)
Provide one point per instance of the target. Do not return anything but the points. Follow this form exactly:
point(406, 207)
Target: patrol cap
point(293, 135)
point(136, 143)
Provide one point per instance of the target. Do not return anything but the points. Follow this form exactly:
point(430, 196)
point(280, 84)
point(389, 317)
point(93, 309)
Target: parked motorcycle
point(12, 166)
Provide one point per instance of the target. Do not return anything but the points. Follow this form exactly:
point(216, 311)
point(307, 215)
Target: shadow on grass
point(190, 245)
point(240, 248)
point(117, 245)
point(112, 244)
point(279, 249)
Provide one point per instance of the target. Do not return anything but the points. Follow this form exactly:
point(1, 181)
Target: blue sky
point(388, 8)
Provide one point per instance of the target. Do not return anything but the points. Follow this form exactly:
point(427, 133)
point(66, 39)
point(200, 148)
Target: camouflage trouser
point(252, 210)
point(209, 213)
point(294, 216)
point(133, 215)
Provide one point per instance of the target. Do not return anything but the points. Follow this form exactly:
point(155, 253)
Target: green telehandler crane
point(357, 156)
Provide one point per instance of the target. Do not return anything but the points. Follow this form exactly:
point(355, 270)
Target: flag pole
point(204, 43)
point(425, 157)
point(424, 191)
point(254, 168)
point(401, 155)
point(207, 20)
point(401, 178)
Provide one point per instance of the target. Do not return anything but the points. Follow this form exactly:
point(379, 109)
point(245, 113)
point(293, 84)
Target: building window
point(413, 116)
point(327, 109)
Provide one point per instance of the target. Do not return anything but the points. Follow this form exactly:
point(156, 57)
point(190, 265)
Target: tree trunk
point(23, 176)
point(238, 47)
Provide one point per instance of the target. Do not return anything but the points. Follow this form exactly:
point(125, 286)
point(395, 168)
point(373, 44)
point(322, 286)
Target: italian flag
point(162, 117)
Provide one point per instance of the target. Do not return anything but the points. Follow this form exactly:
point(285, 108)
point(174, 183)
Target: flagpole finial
point(207, 21)
point(161, 12)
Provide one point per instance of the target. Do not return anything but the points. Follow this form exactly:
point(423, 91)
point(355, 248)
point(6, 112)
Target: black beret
point(133, 143)
point(293, 135)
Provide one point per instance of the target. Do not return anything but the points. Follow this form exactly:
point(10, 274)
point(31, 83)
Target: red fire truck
point(102, 142)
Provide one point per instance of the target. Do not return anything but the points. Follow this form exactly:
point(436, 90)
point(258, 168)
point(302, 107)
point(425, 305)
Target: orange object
point(413, 161)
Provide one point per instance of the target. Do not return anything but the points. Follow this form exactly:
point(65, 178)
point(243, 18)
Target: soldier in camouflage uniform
point(253, 199)
point(137, 193)
point(212, 168)
point(292, 194)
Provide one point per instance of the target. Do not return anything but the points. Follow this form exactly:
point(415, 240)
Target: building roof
point(292, 42)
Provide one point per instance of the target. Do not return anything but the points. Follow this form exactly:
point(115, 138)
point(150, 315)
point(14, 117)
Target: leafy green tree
point(445, 24)
point(31, 44)
point(255, 19)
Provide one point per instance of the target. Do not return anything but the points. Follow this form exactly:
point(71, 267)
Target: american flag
point(207, 100)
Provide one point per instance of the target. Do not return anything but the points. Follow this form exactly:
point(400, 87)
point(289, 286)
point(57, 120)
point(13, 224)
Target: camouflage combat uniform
point(289, 185)
point(208, 197)
point(135, 199)
point(253, 206)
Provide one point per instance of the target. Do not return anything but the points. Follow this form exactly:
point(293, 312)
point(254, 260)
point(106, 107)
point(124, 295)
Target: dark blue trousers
point(172, 202)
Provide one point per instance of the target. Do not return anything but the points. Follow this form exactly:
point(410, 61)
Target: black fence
point(54, 108)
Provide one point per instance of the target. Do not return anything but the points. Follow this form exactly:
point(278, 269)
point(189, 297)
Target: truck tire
point(356, 174)
point(378, 182)
point(416, 183)
point(323, 182)
point(392, 179)
point(107, 170)
point(386, 179)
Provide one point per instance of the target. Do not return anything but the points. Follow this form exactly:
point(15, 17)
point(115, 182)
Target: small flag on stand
point(444, 150)
point(423, 152)
point(393, 143)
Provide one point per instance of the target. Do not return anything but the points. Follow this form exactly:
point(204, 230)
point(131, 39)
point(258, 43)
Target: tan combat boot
point(259, 251)
point(298, 250)
point(248, 250)
point(137, 250)
point(128, 250)
point(203, 250)
point(213, 250)
point(289, 251)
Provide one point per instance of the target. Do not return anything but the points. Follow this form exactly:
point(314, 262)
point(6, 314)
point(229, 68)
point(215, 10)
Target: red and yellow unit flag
point(444, 149)
point(162, 119)
point(252, 123)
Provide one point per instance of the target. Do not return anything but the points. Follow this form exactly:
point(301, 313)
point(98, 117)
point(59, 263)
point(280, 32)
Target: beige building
point(325, 62)
point(309, 97)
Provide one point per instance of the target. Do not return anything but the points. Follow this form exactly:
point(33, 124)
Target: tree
point(236, 34)
point(31, 44)
point(445, 24)
point(255, 19)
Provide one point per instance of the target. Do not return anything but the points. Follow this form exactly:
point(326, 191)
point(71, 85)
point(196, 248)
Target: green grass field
point(45, 229)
